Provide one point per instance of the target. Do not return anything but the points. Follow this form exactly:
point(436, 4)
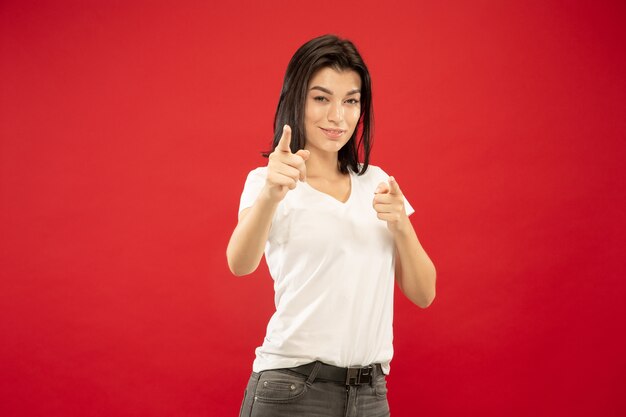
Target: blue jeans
point(285, 393)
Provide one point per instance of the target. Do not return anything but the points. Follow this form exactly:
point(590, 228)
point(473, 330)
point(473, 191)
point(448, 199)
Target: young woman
point(335, 233)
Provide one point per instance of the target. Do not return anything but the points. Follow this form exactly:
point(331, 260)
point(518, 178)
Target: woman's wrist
point(271, 195)
point(402, 227)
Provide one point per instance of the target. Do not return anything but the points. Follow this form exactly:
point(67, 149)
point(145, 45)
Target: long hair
point(339, 54)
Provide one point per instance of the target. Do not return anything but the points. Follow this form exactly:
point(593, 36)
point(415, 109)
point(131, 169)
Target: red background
point(127, 130)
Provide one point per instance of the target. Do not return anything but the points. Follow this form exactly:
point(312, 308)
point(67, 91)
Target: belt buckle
point(358, 376)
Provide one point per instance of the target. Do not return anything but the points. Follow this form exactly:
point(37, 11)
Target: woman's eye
point(319, 98)
point(353, 101)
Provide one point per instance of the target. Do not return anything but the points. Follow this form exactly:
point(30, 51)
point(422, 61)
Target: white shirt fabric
point(333, 270)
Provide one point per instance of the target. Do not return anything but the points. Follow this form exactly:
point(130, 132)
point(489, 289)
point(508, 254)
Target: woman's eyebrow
point(327, 91)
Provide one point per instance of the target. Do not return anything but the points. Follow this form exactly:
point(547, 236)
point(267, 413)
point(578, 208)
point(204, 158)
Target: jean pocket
point(380, 386)
point(280, 387)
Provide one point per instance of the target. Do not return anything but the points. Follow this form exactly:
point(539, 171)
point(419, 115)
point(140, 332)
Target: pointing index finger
point(285, 140)
point(394, 188)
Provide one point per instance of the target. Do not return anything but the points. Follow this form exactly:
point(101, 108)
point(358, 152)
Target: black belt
point(349, 376)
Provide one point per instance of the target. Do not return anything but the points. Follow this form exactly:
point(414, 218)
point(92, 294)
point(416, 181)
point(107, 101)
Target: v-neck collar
point(343, 203)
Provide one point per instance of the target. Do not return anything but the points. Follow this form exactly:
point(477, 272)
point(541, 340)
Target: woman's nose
point(335, 113)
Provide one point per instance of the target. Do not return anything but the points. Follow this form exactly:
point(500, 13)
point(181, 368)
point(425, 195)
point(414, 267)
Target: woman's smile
point(333, 133)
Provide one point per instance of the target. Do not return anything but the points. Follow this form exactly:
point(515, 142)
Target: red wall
point(127, 130)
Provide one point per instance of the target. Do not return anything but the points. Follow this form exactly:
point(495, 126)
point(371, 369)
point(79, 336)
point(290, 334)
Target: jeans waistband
point(347, 376)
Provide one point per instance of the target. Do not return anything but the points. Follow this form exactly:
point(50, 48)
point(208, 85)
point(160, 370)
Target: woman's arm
point(415, 272)
point(246, 245)
point(247, 242)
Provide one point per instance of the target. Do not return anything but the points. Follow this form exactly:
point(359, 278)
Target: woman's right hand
point(284, 168)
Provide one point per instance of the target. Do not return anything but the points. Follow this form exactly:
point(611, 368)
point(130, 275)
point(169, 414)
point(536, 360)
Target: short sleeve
point(408, 208)
point(252, 187)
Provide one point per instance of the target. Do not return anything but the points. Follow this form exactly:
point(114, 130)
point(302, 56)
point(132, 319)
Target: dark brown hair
point(340, 54)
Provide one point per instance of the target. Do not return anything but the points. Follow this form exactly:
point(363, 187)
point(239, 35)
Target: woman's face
point(332, 109)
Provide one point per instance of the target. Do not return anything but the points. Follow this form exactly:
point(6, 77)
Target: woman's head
point(313, 61)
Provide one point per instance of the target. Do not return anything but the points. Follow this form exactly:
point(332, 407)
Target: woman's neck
point(322, 164)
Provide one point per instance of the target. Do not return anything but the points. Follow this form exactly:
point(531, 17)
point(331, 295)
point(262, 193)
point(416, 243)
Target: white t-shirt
point(333, 270)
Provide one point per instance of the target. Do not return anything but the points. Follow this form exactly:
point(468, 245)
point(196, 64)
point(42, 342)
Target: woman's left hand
point(389, 205)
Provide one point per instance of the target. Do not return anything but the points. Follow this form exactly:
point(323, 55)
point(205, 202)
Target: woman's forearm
point(415, 272)
point(247, 243)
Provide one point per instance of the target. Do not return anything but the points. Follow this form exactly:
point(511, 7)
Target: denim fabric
point(284, 393)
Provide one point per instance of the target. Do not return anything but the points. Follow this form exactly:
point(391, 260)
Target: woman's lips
point(333, 133)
